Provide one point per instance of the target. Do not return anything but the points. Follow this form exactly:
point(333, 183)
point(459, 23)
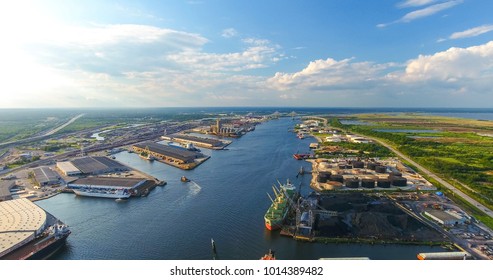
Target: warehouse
point(445, 218)
point(67, 168)
point(97, 165)
point(44, 176)
point(198, 141)
point(168, 153)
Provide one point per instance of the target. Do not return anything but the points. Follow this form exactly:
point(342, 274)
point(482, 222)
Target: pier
point(173, 156)
point(213, 144)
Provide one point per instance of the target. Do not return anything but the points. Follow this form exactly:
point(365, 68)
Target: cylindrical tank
point(332, 185)
point(338, 178)
point(381, 169)
point(371, 165)
point(399, 181)
point(383, 183)
point(358, 164)
point(323, 177)
point(368, 183)
point(352, 183)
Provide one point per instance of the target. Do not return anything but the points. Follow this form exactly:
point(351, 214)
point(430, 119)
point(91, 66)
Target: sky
point(197, 53)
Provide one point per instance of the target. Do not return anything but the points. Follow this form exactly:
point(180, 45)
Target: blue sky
point(330, 53)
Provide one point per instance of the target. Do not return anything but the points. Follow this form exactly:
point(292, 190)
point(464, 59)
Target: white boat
point(105, 193)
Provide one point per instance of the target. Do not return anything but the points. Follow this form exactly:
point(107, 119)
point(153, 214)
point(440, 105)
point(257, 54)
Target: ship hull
point(100, 194)
point(50, 250)
point(272, 226)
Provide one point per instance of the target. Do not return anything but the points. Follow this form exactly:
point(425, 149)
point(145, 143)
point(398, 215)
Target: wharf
point(208, 143)
point(145, 189)
point(174, 156)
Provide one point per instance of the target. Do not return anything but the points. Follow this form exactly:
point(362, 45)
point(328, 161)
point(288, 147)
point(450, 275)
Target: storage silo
point(381, 169)
point(399, 181)
point(352, 183)
point(368, 183)
point(338, 178)
point(383, 183)
point(358, 164)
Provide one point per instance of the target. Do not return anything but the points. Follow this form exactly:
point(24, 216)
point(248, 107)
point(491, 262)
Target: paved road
point(440, 180)
point(55, 130)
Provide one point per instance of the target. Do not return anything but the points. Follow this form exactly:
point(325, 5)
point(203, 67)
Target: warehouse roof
point(67, 167)
point(89, 165)
point(209, 141)
point(45, 175)
point(169, 151)
point(442, 215)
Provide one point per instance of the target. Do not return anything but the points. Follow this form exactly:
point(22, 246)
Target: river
point(225, 200)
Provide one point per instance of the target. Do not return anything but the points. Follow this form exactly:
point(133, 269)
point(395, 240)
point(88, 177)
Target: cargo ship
point(277, 212)
point(100, 192)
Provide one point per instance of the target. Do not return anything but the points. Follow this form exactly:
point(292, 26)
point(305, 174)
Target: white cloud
point(260, 53)
point(452, 65)
point(455, 76)
point(122, 65)
point(229, 33)
point(476, 31)
point(414, 3)
point(425, 12)
point(330, 73)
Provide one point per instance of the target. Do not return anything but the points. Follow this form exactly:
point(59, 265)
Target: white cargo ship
point(106, 193)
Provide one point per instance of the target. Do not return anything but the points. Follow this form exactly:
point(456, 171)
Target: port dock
point(173, 156)
point(208, 143)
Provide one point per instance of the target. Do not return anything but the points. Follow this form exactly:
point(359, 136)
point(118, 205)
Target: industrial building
point(44, 176)
point(97, 165)
point(446, 218)
point(5, 187)
point(67, 168)
point(20, 222)
point(107, 183)
point(197, 141)
point(224, 130)
point(167, 153)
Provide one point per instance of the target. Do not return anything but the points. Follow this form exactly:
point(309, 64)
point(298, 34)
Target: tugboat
point(184, 179)
point(269, 256)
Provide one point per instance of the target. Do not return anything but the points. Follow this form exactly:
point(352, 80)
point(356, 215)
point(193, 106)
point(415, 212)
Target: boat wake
point(194, 188)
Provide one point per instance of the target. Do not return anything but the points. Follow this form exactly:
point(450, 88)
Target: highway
point(440, 180)
point(55, 130)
